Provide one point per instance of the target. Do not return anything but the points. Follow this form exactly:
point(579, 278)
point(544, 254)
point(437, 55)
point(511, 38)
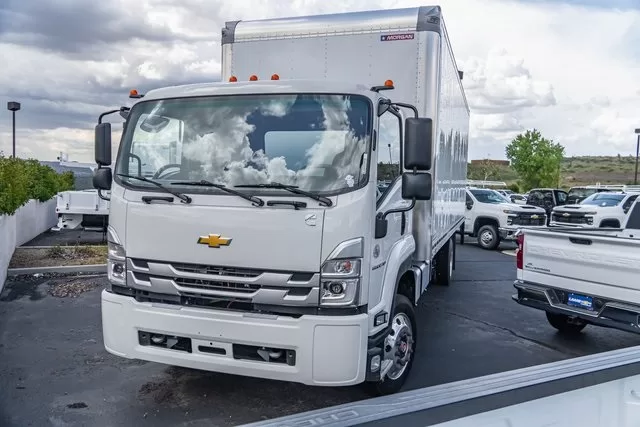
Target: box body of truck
point(409, 46)
point(217, 262)
point(581, 276)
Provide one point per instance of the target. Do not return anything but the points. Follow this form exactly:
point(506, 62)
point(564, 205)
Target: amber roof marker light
point(133, 93)
point(388, 85)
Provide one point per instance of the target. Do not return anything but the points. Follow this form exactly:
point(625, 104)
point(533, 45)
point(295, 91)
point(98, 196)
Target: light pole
point(635, 178)
point(13, 107)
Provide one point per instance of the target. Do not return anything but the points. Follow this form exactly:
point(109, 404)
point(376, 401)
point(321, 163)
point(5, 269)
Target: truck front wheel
point(566, 324)
point(399, 347)
point(488, 237)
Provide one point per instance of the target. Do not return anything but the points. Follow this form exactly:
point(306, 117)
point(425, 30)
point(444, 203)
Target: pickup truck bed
point(581, 277)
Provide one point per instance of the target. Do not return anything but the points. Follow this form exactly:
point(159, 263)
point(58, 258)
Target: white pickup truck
point(491, 217)
point(582, 276)
point(604, 209)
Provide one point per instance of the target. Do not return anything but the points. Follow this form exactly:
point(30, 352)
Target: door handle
point(578, 241)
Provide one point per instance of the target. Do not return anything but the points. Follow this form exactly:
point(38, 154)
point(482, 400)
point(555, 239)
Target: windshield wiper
point(257, 201)
point(183, 197)
point(325, 201)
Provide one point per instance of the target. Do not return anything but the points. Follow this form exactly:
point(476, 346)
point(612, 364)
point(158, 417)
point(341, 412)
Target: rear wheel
point(398, 350)
point(445, 263)
point(488, 237)
point(566, 324)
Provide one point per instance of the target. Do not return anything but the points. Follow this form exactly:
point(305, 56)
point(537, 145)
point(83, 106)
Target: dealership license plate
point(580, 301)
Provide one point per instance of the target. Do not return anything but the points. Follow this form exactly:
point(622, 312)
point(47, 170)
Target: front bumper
point(316, 350)
point(606, 312)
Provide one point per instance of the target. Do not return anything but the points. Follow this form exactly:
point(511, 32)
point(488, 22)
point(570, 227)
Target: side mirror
point(102, 178)
point(103, 144)
point(416, 186)
point(418, 143)
point(469, 205)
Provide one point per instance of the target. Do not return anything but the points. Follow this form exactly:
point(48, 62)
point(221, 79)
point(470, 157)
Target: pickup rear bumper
point(606, 312)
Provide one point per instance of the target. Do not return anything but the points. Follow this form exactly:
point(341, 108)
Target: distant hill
point(574, 171)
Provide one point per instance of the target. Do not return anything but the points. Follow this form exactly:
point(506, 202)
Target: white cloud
point(570, 71)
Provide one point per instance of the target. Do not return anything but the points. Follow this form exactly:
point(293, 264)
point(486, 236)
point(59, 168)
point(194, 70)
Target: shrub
point(514, 187)
point(22, 180)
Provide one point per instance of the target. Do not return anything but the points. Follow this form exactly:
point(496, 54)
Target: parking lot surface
point(54, 369)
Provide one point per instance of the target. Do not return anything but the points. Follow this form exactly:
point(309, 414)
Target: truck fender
point(398, 262)
point(481, 219)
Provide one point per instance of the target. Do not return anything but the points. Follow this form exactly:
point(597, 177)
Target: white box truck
point(267, 249)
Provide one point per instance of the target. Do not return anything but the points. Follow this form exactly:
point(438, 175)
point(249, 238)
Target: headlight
point(116, 267)
point(340, 282)
point(510, 212)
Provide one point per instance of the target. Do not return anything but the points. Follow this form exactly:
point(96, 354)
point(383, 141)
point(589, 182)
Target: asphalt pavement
point(54, 369)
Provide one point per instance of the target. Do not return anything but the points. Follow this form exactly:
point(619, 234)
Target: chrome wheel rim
point(398, 347)
point(486, 237)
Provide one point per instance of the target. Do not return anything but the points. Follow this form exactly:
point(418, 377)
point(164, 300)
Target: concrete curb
point(92, 268)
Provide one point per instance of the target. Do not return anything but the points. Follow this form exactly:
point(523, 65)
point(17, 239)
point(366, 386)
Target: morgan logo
point(395, 37)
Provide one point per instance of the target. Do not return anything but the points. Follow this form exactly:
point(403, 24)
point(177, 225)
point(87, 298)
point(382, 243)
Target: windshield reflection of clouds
point(316, 142)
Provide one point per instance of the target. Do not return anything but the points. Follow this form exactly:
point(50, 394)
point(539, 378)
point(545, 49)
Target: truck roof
point(423, 18)
point(257, 87)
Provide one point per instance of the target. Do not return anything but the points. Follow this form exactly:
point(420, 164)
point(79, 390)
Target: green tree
point(536, 159)
point(22, 180)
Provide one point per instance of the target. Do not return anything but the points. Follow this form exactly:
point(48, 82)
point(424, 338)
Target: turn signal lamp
point(388, 83)
point(233, 79)
point(275, 77)
point(253, 78)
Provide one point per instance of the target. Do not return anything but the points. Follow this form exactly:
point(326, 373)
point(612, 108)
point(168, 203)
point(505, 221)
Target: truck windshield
point(316, 142)
point(603, 199)
point(489, 196)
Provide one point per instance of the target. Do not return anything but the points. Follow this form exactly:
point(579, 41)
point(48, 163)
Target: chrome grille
point(225, 283)
point(215, 285)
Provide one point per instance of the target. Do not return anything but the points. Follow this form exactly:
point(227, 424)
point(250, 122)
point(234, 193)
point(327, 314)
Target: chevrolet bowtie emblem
point(214, 240)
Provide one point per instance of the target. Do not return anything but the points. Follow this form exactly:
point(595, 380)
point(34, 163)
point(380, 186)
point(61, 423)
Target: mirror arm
point(398, 210)
point(106, 113)
point(102, 196)
point(409, 106)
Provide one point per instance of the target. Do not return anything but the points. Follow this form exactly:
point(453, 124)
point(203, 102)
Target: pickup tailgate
point(590, 263)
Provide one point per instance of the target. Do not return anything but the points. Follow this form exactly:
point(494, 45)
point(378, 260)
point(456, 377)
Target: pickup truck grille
point(532, 219)
point(224, 286)
point(570, 218)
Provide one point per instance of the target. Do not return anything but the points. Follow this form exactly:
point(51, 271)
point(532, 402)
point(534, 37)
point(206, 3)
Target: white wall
point(28, 222)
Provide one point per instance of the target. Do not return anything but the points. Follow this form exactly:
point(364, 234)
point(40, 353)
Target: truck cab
point(492, 218)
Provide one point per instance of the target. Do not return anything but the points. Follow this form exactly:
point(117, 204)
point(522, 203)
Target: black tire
point(388, 385)
point(566, 324)
point(445, 260)
point(488, 237)
point(462, 234)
